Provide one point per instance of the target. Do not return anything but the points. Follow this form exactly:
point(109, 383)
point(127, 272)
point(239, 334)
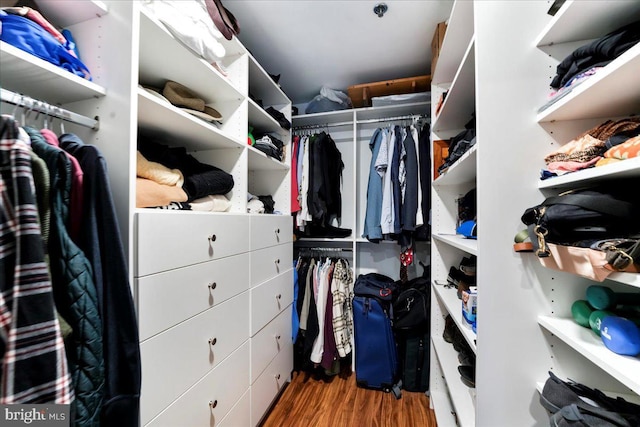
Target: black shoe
point(449, 329)
point(468, 266)
point(468, 375)
point(557, 394)
point(466, 358)
point(585, 415)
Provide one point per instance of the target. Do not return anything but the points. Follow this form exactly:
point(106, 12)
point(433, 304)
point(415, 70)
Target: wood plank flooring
point(312, 401)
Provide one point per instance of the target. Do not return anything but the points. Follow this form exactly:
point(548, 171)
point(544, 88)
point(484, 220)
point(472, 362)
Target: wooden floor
point(337, 402)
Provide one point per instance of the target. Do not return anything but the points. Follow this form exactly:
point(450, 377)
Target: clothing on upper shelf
point(89, 288)
point(200, 179)
point(27, 30)
point(598, 53)
point(601, 145)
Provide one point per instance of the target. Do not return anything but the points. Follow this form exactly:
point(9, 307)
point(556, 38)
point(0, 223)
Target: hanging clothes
point(325, 315)
point(74, 291)
point(320, 188)
point(398, 186)
point(99, 240)
point(32, 352)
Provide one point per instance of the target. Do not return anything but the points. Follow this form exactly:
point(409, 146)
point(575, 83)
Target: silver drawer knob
point(277, 337)
point(213, 285)
point(279, 296)
point(277, 376)
point(212, 238)
point(277, 261)
point(277, 231)
point(213, 341)
point(213, 403)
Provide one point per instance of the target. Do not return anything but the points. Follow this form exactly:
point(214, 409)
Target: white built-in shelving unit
point(525, 328)
point(213, 301)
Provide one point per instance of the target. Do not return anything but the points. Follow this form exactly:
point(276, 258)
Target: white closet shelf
point(179, 127)
point(460, 102)
point(375, 113)
point(62, 15)
point(461, 395)
point(594, 97)
point(458, 241)
point(262, 86)
point(586, 20)
point(442, 407)
point(34, 77)
point(185, 67)
point(625, 369)
point(629, 168)
point(456, 40)
point(449, 298)
point(260, 161)
point(261, 120)
point(462, 171)
point(631, 279)
point(329, 117)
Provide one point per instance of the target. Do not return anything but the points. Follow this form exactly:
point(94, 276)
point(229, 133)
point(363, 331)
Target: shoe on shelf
point(468, 375)
point(585, 415)
point(466, 358)
point(557, 394)
point(468, 265)
point(449, 329)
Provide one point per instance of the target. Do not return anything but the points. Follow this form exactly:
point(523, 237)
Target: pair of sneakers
point(573, 404)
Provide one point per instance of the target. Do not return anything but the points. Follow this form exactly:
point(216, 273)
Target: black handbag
point(580, 217)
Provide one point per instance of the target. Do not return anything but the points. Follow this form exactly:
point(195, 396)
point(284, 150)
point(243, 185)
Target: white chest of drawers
point(214, 299)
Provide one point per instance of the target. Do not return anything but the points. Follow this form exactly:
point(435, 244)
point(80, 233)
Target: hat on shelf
point(155, 92)
point(183, 97)
point(223, 19)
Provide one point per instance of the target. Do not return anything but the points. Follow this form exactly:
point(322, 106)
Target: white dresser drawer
point(176, 359)
point(240, 415)
point(269, 262)
point(213, 397)
point(270, 230)
point(168, 240)
point(168, 298)
point(270, 298)
point(267, 386)
point(272, 339)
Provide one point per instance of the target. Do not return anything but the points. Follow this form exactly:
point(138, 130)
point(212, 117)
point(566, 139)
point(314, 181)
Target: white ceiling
point(338, 43)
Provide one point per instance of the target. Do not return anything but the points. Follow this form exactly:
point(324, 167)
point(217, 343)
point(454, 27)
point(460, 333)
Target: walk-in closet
point(209, 208)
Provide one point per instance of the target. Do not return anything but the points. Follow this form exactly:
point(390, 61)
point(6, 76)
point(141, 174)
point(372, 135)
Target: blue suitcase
point(376, 354)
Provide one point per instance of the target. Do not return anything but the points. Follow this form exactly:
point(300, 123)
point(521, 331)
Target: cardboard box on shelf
point(361, 94)
point(436, 44)
point(440, 152)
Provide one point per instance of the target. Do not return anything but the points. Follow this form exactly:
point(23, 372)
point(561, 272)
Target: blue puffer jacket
point(74, 291)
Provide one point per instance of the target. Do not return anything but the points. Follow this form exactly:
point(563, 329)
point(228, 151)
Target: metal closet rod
point(386, 119)
point(323, 249)
point(48, 109)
